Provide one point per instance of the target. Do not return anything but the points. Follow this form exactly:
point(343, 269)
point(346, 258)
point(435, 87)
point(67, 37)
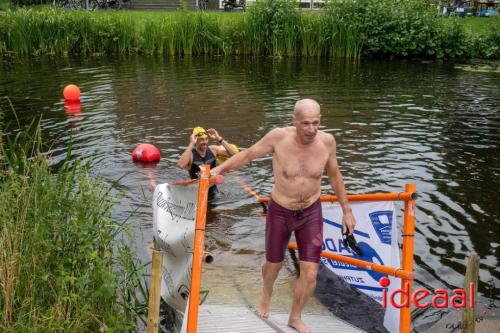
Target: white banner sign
point(376, 234)
point(174, 213)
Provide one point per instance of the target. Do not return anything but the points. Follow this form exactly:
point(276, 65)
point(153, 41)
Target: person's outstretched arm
point(152, 180)
point(337, 182)
point(263, 147)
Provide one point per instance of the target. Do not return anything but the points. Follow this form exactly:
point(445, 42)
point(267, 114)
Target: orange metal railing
point(199, 250)
point(405, 273)
point(397, 272)
point(402, 196)
point(408, 243)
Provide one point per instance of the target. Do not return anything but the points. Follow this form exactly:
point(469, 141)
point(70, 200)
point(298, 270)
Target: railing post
point(407, 265)
point(154, 290)
point(470, 287)
point(199, 239)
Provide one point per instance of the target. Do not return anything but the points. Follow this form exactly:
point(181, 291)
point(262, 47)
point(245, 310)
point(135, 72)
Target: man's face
point(307, 124)
point(202, 141)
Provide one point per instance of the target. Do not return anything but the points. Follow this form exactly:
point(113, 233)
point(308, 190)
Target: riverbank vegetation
point(64, 263)
point(363, 28)
point(4, 4)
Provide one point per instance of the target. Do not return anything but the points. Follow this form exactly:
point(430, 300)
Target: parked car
point(488, 12)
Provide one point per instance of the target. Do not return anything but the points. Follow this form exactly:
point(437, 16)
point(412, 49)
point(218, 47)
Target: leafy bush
point(398, 27)
point(486, 46)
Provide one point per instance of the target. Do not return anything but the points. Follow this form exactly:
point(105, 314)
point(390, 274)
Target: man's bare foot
point(263, 307)
point(299, 325)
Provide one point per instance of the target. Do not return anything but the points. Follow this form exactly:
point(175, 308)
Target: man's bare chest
point(291, 162)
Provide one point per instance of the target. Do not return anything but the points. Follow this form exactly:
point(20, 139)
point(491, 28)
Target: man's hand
point(193, 138)
point(152, 179)
point(348, 222)
point(215, 171)
point(213, 134)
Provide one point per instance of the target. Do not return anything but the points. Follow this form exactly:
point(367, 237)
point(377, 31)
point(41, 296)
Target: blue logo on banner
point(382, 223)
point(370, 255)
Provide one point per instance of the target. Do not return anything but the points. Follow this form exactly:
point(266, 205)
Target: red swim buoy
point(72, 108)
point(71, 93)
point(146, 152)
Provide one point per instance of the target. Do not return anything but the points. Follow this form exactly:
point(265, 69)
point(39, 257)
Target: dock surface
point(222, 318)
point(234, 286)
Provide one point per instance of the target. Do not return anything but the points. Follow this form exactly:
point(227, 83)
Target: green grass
point(61, 266)
point(479, 25)
point(4, 4)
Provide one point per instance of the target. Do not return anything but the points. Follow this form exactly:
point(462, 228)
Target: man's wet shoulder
point(327, 138)
point(280, 132)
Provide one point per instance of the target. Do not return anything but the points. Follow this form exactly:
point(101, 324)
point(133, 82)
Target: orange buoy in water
point(72, 108)
point(146, 152)
point(71, 93)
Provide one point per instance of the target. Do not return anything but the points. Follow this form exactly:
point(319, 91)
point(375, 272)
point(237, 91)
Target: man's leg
point(309, 240)
point(304, 288)
point(270, 272)
point(277, 237)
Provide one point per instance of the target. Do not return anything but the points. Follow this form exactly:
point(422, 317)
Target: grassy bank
point(4, 4)
point(482, 35)
point(479, 25)
point(61, 267)
point(384, 28)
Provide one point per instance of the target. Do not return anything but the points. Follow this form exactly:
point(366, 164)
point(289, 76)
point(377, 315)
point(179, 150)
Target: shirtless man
point(300, 155)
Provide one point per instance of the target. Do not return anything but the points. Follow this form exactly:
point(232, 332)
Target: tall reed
point(61, 266)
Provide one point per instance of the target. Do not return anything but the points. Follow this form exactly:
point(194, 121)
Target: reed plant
point(275, 26)
point(158, 37)
point(209, 38)
point(312, 35)
point(62, 265)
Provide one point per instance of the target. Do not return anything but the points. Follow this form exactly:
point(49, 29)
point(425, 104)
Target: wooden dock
point(235, 289)
point(220, 318)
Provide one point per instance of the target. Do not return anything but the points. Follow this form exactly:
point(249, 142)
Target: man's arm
point(263, 147)
point(337, 182)
point(226, 149)
point(186, 158)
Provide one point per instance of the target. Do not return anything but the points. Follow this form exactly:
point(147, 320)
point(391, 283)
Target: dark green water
point(395, 122)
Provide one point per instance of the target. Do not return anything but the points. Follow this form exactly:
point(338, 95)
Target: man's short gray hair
point(301, 104)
